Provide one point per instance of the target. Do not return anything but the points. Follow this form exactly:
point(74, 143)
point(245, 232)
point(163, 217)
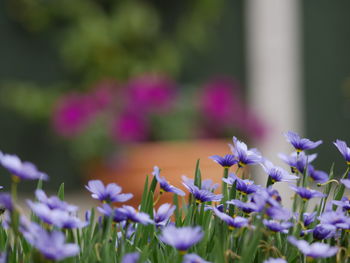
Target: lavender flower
point(278, 213)
point(315, 250)
point(51, 245)
point(324, 231)
point(132, 215)
point(164, 185)
point(277, 174)
point(181, 238)
point(343, 203)
point(23, 170)
point(277, 226)
point(247, 207)
point(206, 184)
point(193, 258)
point(301, 144)
point(227, 161)
point(298, 162)
point(306, 193)
point(275, 260)
point(131, 257)
point(246, 186)
point(233, 222)
point(109, 193)
point(201, 195)
point(54, 202)
point(244, 155)
point(163, 214)
point(116, 213)
point(336, 218)
point(343, 149)
point(316, 175)
point(309, 218)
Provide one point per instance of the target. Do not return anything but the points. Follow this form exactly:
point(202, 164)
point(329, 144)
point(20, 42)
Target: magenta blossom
point(151, 92)
point(129, 127)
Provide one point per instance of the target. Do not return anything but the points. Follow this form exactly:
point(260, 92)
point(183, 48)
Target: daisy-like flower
point(336, 218)
point(201, 195)
point(164, 185)
point(207, 184)
point(51, 245)
point(181, 238)
point(6, 201)
point(316, 175)
point(300, 144)
point(115, 213)
point(343, 149)
point(110, 193)
point(247, 207)
point(277, 174)
point(278, 213)
point(22, 170)
point(163, 214)
point(306, 193)
point(315, 250)
point(131, 257)
point(53, 202)
point(246, 186)
point(193, 258)
point(309, 218)
point(275, 260)
point(298, 162)
point(233, 222)
point(324, 231)
point(343, 203)
point(277, 226)
point(132, 215)
point(226, 161)
point(243, 155)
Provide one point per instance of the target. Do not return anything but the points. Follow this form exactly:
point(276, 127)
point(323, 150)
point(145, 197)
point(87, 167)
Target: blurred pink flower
point(128, 127)
point(221, 103)
point(151, 92)
point(103, 93)
point(72, 113)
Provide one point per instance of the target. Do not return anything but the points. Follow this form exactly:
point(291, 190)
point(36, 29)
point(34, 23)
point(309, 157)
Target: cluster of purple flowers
point(243, 214)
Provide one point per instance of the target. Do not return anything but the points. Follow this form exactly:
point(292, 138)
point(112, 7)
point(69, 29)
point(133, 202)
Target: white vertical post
point(274, 72)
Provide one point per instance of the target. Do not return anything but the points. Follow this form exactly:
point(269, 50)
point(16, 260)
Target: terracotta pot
point(174, 159)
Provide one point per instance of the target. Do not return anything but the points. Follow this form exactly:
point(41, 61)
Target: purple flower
point(275, 260)
point(278, 213)
point(116, 213)
point(163, 214)
point(244, 155)
point(336, 218)
point(247, 207)
point(316, 175)
point(206, 184)
point(246, 186)
point(193, 258)
point(181, 238)
point(343, 203)
point(343, 149)
point(233, 222)
point(54, 202)
point(164, 185)
point(297, 162)
point(56, 217)
point(345, 182)
point(6, 201)
point(301, 144)
point(23, 170)
point(277, 174)
point(309, 218)
point(131, 257)
point(132, 215)
point(277, 226)
point(201, 195)
point(306, 193)
point(227, 161)
point(324, 231)
point(109, 193)
point(315, 250)
point(51, 245)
